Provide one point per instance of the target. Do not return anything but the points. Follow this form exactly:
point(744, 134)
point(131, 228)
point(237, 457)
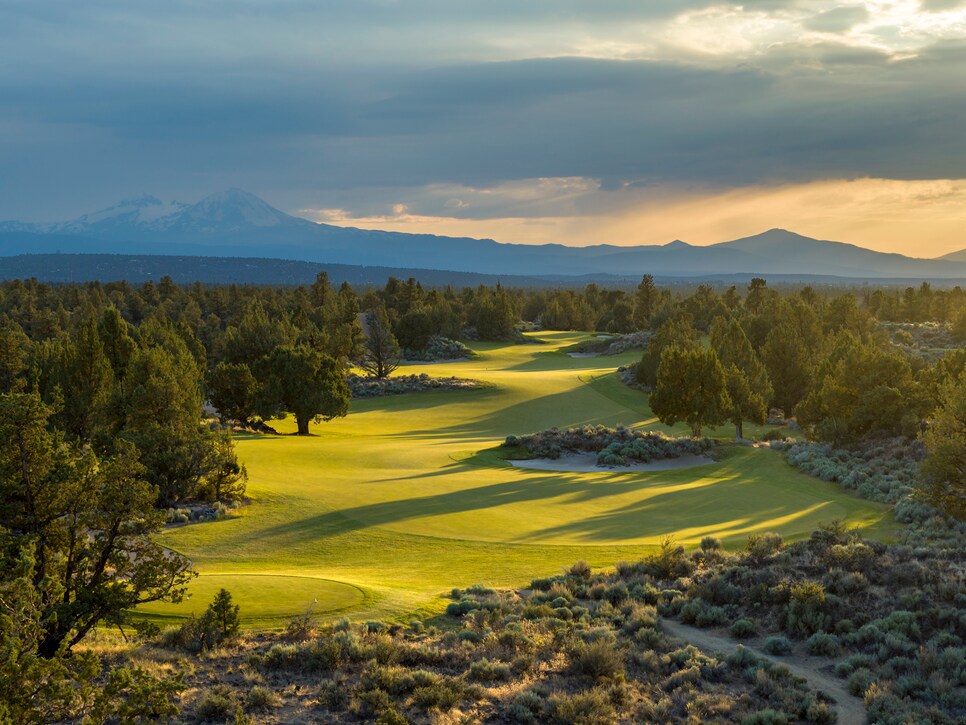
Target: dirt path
point(851, 710)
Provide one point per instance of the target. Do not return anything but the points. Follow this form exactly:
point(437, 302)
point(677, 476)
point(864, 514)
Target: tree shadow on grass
point(733, 503)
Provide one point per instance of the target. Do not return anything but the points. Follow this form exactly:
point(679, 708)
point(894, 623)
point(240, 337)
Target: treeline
point(117, 362)
point(827, 362)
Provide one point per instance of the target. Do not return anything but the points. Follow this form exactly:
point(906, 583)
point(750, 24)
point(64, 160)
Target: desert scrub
point(777, 646)
point(743, 629)
point(439, 348)
point(216, 704)
point(882, 470)
point(363, 387)
point(613, 344)
point(613, 446)
point(586, 646)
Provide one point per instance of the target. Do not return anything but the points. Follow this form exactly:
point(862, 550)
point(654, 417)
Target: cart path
point(851, 710)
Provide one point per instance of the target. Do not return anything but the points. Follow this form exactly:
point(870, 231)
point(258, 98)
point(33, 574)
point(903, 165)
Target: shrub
point(699, 612)
point(436, 347)
point(859, 681)
point(592, 707)
point(765, 717)
point(613, 446)
point(710, 543)
point(805, 612)
point(391, 717)
point(216, 704)
point(333, 696)
point(743, 628)
point(218, 623)
point(373, 701)
point(300, 627)
point(486, 671)
point(320, 655)
point(616, 593)
point(260, 698)
point(668, 562)
point(444, 694)
point(777, 646)
point(599, 660)
point(762, 547)
point(824, 644)
point(580, 569)
point(526, 707)
point(821, 714)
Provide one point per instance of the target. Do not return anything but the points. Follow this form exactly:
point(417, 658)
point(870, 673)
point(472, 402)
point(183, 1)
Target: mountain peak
point(230, 211)
point(676, 244)
point(142, 201)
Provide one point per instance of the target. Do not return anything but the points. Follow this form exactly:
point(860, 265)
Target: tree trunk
point(739, 430)
point(696, 430)
point(50, 644)
point(303, 424)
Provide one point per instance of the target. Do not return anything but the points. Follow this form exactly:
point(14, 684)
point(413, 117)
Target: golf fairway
point(379, 514)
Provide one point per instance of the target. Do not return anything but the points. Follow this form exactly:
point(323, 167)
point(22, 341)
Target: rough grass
point(394, 500)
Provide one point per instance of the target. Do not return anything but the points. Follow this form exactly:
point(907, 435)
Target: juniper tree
point(82, 523)
point(749, 389)
point(691, 387)
point(304, 382)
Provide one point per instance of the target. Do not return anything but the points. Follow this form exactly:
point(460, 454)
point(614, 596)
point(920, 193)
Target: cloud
point(347, 104)
point(838, 20)
point(923, 218)
point(938, 6)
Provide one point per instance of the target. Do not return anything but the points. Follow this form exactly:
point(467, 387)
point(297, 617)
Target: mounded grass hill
point(379, 514)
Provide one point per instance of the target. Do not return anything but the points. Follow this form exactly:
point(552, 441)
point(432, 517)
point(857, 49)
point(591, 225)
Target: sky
point(531, 121)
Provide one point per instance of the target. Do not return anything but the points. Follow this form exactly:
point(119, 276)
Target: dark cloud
point(111, 99)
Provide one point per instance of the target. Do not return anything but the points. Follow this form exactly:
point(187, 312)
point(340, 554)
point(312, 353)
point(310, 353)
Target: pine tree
point(677, 330)
point(789, 367)
point(116, 339)
point(645, 302)
point(82, 376)
point(380, 355)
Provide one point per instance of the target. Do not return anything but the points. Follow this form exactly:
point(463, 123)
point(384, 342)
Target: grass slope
point(397, 500)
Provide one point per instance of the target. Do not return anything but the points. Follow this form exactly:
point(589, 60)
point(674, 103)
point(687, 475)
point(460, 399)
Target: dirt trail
point(851, 710)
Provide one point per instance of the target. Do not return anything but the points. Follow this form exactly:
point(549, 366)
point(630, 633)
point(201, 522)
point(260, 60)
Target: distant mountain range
point(235, 223)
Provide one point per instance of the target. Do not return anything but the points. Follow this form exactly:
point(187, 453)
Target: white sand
point(587, 463)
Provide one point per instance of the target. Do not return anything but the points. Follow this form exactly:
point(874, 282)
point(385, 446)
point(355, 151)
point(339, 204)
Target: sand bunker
point(587, 463)
point(584, 354)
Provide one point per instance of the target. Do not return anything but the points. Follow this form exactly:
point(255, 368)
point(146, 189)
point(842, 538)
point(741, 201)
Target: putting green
point(269, 600)
point(405, 498)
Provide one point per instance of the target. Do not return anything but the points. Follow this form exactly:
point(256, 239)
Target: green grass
point(406, 498)
point(267, 599)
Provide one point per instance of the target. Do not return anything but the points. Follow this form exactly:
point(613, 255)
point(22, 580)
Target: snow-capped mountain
point(228, 211)
point(144, 212)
